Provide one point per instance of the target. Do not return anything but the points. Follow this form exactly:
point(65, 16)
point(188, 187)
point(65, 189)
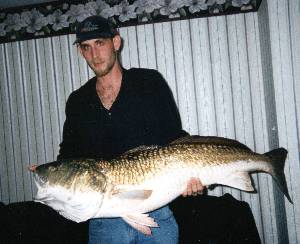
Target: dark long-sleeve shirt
point(144, 113)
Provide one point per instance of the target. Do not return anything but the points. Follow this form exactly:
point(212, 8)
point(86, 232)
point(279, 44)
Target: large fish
point(147, 178)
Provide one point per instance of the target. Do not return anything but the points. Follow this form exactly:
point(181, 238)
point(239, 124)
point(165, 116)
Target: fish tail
point(278, 157)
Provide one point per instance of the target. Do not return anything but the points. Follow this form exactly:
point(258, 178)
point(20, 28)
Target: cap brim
point(89, 36)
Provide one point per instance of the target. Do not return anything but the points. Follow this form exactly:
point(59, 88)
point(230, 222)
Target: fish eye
point(41, 179)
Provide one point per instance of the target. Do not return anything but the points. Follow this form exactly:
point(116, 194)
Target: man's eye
point(84, 47)
point(99, 43)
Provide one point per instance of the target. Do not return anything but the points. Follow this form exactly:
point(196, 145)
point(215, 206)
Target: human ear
point(117, 42)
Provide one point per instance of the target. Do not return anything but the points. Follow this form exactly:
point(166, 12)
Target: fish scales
point(136, 167)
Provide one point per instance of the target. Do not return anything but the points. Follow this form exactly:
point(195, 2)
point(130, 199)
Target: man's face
point(100, 54)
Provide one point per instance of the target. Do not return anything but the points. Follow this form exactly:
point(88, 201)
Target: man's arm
point(171, 115)
point(68, 146)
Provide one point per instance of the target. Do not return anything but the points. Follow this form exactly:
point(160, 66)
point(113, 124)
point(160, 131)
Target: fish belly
point(164, 188)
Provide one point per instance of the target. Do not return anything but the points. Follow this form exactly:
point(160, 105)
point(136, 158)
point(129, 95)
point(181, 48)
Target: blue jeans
point(117, 231)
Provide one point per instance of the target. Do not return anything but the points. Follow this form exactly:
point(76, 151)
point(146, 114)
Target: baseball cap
point(95, 27)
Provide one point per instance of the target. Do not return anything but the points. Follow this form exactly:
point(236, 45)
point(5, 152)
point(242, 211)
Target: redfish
point(149, 177)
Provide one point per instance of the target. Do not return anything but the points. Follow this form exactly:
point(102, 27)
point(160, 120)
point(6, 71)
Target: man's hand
point(194, 187)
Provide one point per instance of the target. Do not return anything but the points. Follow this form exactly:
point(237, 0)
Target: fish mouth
point(38, 179)
point(32, 168)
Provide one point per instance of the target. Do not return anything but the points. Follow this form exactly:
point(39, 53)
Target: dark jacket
point(144, 113)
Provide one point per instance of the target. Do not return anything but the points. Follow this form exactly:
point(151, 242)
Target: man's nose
point(95, 52)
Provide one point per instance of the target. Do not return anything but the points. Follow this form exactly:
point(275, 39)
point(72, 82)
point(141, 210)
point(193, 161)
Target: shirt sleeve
point(68, 146)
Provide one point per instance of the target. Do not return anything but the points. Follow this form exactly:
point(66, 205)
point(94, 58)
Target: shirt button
point(109, 114)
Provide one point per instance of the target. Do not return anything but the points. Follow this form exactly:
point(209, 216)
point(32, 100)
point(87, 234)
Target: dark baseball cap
point(95, 27)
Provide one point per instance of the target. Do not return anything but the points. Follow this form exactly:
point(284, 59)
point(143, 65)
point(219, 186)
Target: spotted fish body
point(147, 178)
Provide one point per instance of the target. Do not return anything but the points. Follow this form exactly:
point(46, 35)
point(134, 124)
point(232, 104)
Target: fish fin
point(278, 157)
point(142, 228)
point(141, 222)
point(133, 194)
point(240, 180)
point(215, 140)
point(141, 218)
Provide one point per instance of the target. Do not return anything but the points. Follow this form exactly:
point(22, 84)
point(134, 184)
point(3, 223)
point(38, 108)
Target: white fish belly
point(165, 188)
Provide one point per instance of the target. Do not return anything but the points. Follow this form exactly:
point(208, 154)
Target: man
point(116, 111)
